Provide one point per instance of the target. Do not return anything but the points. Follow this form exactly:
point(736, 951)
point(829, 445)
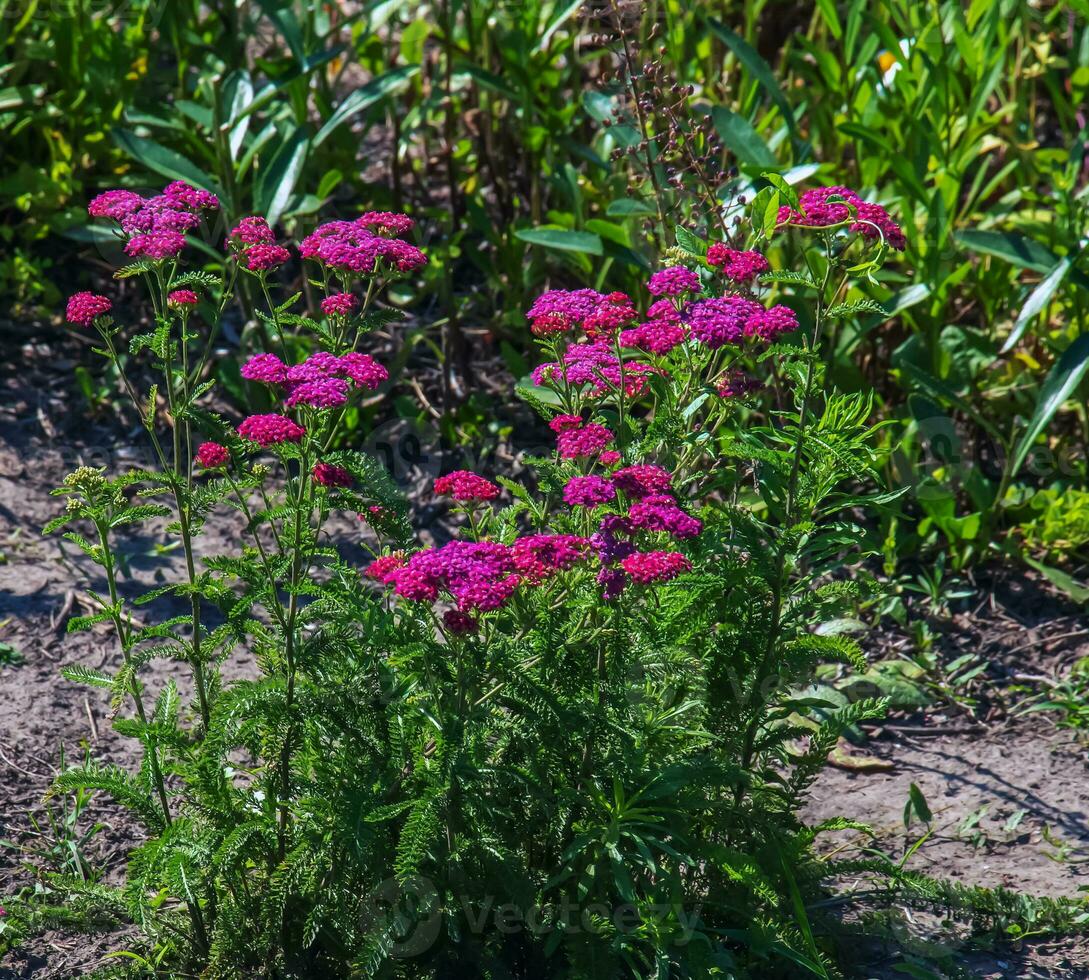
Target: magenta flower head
point(319, 393)
point(362, 370)
point(615, 311)
point(386, 222)
point(84, 308)
point(261, 258)
point(182, 298)
point(721, 320)
point(192, 197)
point(329, 475)
point(115, 204)
point(587, 441)
point(464, 487)
point(771, 324)
point(266, 368)
point(156, 245)
point(673, 281)
point(253, 231)
point(339, 304)
point(559, 310)
point(612, 582)
point(741, 267)
point(268, 430)
point(383, 567)
point(824, 206)
point(564, 423)
point(655, 566)
point(663, 514)
point(537, 557)
point(459, 623)
point(642, 480)
point(588, 491)
point(656, 336)
point(211, 455)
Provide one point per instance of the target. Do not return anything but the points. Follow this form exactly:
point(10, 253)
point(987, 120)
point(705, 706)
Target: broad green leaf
point(162, 161)
point(741, 139)
point(19, 96)
point(485, 79)
point(374, 91)
point(562, 240)
point(757, 67)
point(1017, 250)
point(689, 242)
point(627, 207)
point(557, 21)
point(1061, 580)
point(1038, 301)
point(1014, 248)
point(1061, 382)
point(276, 182)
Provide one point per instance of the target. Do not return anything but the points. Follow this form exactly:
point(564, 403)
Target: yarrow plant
point(580, 707)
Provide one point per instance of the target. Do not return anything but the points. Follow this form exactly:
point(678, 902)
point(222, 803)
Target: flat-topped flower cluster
point(603, 353)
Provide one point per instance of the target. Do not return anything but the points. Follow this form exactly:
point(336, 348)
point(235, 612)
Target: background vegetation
point(541, 143)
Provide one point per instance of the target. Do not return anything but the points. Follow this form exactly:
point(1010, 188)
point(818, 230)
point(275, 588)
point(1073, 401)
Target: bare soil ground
point(1025, 780)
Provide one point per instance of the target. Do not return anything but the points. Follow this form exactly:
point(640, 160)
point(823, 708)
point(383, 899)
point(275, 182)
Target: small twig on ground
point(90, 717)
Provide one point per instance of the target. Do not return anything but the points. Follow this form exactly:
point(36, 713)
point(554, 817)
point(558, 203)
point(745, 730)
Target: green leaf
point(1017, 250)
point(1061, 580)
point(276, 182)
point(562, 240)
point(757, 67)
point(19, 96)
point(689, 242)
point(1061, 382)
point(741, 139)
point(847, 310)
point(1038, 301)
point(627, 207)
point(162, 161)
point(917, 805)
point(377, 89)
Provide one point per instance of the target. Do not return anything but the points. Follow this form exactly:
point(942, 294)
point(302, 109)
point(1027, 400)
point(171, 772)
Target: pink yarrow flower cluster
point(466, 487)
point(823, 206)
point(211, 455)
point(561, 310)
point(736, 384)
point(642, 480)
point(675, 280)
point(647, 567)
point(595, 363)
point(255, 244)
point(586, 440)
point(480, 576)
point(269, 430)
point(656, 336)
point(84, 308)
point(158, 246)
point(732, 319)
point(328, 475)
point(662, 513)
point(741, 267)
point(181, 298)
point(155, 226)
point(588, 491)
point(318, 393)
point(321, 381)
point(339, 304)
point(253, 230)
point(361, 247)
